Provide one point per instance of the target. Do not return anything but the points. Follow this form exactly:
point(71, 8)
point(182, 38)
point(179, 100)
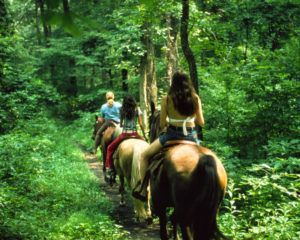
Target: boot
point(140, 190)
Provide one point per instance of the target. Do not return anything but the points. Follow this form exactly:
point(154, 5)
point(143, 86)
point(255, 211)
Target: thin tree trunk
point(92, 82)
point(66, 6)
point(124, 73)
point(110, 76)
point(172, 48)
point(37, 23)
point(185, 44)
point(148, 83)
point(143, 89)
point(73, 88)
point(46, 28)
point(4, 31)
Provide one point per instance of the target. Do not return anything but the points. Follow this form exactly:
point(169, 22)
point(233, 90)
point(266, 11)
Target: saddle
point(157, 160)
point(126, 138)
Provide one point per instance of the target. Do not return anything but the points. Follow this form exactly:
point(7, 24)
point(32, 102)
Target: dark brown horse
point(105, 139)
point(192, 180)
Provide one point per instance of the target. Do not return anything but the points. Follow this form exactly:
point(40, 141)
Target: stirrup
point(139, 196)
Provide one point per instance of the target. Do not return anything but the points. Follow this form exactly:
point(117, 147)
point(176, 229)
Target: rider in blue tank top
point(111, 110)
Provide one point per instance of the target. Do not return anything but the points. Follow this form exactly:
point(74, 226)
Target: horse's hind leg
point(174, 225)
point(186, 232)
point(122, 191)
point(163, 225)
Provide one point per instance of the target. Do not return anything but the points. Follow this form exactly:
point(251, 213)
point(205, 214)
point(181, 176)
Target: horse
point(129, 168)
point(190, 179)
point(104, 140)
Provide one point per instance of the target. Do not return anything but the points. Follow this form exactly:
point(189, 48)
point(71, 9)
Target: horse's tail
point(139, 167)
point(207, 199)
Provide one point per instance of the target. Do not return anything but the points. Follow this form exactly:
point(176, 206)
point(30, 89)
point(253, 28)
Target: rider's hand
point(100, 119)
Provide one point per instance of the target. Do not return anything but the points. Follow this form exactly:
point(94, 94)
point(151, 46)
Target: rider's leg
point(110, 150)
point(151, 150)
point(140, 191)
point(99, 134)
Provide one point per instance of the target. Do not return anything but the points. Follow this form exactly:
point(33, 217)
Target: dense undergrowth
point(47, 190)
point(262, 199)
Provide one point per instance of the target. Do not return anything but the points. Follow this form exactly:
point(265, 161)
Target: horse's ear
point(152, 106)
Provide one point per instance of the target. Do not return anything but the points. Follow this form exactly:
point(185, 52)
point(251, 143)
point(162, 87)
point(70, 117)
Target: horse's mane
point(154, 125)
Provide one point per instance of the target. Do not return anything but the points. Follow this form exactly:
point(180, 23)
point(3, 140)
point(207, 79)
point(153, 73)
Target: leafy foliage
point(43, 177)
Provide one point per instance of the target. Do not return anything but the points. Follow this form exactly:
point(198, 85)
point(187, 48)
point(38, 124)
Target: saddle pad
point(177, 142)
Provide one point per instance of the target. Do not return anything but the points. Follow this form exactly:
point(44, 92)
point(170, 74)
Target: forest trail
point(123, 216)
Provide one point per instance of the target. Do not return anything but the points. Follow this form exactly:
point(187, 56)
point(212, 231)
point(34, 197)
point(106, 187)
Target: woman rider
point(109, 112)
point(182, 107)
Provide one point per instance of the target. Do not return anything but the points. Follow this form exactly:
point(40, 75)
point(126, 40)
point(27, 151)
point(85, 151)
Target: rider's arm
point(140, 121)
point(199, 120)
point(163, 113)
point(102, 114)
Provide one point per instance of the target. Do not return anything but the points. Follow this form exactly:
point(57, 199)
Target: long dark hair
point(183, 94)
point(128, 110)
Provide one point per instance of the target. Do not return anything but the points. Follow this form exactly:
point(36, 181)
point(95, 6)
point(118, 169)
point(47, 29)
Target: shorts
point(174, 133)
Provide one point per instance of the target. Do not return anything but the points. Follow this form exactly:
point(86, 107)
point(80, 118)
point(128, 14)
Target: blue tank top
point(111, 113)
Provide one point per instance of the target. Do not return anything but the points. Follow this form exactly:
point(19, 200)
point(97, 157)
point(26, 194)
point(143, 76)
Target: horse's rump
point(127, 156)
point(128, 165)
point(192, 180)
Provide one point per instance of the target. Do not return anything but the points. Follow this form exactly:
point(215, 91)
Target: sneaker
point(106, 173)
point(110, 176)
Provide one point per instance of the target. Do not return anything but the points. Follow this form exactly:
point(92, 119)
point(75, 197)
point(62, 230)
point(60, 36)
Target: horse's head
point(154, 123)
point(96, 126)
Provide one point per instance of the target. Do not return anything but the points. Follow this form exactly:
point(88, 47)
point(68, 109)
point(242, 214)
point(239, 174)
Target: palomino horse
point(192, 180)
point(129, 168)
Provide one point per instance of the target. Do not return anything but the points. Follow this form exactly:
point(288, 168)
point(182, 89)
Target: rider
point(130, 115)
point(109, 112)
point(182, 107)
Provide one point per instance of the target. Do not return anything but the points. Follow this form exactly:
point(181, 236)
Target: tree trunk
point(72, 88)
point(46, 28)
point(37, 23)
point(143, 89)
point(4, 31)
point(66, 6)
point(124, 73)
point(172, 48)
point(148, 84)
point(110, 79)
point(185, 44)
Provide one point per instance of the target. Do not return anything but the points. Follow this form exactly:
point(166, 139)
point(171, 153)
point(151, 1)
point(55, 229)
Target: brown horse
point(129, 168)
point(192, 180)
point(105, 139)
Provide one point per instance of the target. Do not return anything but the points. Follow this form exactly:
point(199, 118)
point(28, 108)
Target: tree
point(185, 44)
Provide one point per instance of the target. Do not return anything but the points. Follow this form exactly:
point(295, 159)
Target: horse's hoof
point(149, 220)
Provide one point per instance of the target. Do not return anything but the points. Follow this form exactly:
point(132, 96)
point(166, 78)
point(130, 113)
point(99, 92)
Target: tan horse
point(129, 168)
point(191, 180)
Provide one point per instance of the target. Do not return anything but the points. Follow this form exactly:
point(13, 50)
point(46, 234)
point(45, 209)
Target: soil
point(123, 215)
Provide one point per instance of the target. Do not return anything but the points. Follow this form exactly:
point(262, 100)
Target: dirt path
point(124, 216)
